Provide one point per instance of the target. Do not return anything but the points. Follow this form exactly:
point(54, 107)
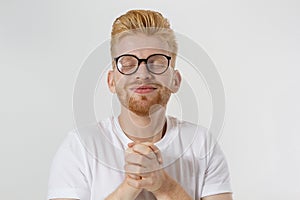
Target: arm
point(124, 192)
point(224, 196)
point(171, 190)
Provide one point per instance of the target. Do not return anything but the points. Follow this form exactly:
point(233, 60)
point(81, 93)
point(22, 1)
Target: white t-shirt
point(89, 165)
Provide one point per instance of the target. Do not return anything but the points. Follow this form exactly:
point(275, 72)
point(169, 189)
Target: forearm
point(171, 190)
point(124, 192)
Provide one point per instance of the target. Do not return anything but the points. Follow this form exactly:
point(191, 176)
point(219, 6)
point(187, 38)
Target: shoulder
point(197, 137)
point(79, 138)
point(98, 142)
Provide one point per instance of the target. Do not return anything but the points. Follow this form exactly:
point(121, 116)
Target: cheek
point(166, 80)
point(119, 80)
point(122, 83)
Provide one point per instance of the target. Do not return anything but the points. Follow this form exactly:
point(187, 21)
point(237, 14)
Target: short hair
point(144, 21)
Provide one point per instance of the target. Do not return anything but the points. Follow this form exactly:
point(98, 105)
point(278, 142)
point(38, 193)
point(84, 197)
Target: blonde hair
point(144, 21)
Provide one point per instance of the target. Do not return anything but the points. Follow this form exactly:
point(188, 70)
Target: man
point(148, 155)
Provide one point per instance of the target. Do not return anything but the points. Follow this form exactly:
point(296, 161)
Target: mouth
point(144, 89)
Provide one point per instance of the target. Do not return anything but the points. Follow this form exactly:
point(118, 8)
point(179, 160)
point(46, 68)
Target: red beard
point(143, 105)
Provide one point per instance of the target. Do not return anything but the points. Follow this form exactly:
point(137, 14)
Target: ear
point(176, 81)
point(111, 81)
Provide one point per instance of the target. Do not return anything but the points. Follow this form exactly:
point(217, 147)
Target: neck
point(143, 128)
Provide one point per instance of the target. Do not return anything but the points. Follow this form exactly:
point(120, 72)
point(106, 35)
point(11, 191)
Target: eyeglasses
point(128, 64)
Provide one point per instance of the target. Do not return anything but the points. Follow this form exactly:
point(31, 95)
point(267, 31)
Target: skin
point(145, 127)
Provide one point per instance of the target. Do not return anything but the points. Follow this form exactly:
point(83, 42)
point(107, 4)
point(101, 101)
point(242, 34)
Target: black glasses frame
point(143, 60)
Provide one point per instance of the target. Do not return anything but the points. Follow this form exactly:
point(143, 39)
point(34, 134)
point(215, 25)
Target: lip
point(144, 89)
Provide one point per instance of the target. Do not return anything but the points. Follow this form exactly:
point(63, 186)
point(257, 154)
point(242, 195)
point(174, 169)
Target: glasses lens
point(157, 64)
point(127, 64)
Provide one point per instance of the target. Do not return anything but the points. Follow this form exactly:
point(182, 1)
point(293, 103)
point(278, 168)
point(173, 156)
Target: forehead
point(141, 45)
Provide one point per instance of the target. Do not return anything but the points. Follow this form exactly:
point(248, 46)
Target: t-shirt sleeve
point(68, 172)
point(217, 177)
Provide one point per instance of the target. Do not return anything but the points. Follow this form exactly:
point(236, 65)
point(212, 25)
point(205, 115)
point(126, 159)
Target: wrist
point(171, 190)
point(166, 188)
point(127, 192)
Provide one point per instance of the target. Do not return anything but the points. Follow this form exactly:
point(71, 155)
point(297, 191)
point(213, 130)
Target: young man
point(142, 153)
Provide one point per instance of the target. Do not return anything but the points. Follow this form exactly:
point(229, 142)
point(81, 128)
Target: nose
point(142, 72)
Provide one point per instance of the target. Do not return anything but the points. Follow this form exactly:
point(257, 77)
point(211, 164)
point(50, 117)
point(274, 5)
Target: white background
point(254, 44)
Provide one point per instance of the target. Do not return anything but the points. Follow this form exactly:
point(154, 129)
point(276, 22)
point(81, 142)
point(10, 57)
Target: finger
point(142, 183)
point(156, 151)
point(145, 175)
point(134, 183)
point(128, 151)
point(134, 176)
point(137, 159)
point(140, 170)
point(134, 169)
point(144, 150)
point(131, 144)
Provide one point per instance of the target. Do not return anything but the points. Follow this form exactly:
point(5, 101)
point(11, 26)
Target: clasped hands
point(143, 166)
